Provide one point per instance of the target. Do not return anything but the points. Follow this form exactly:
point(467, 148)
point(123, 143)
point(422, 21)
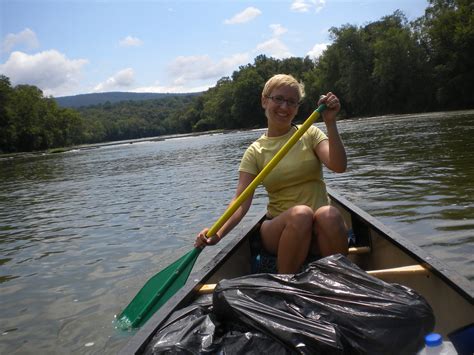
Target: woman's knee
point(331, 231)
point(301, 211)
point(328, 215)
point(293, 225)
point(301, 216)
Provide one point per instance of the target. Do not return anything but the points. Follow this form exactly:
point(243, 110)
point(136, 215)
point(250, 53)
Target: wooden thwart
point(359, 250)
point(396, 271)
point(206, 288)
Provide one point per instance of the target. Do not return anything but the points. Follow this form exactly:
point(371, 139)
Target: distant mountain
point(112, 97)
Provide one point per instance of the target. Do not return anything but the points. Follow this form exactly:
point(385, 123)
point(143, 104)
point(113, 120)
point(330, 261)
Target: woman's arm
point(331, 152)
point(244, 180)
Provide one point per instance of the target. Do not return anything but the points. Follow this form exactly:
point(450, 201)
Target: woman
point(299, 219)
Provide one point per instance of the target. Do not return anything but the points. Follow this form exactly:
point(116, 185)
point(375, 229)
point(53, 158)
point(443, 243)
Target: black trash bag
point(331, 307)
point(195, 330)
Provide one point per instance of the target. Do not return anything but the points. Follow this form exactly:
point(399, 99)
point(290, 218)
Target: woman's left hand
point(333, 106)
point(202, 240)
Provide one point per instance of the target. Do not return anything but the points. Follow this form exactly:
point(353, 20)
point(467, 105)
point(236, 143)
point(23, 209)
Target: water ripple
point(80, 233)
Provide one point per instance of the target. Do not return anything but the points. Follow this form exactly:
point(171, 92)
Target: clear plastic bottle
point(434, 345)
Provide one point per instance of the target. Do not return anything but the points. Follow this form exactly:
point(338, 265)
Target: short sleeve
point(248, 164)
point(317, 136)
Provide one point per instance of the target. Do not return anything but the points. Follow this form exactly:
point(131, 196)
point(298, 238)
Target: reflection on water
point(81, 232)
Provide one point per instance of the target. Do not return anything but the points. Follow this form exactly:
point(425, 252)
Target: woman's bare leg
point(330, 232)
point(289, 236)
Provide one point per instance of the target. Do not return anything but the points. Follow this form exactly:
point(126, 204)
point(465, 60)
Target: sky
point(70, 47)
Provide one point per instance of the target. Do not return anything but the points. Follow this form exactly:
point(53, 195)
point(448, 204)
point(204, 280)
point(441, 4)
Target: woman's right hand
point(333, 106)
point(201, 239)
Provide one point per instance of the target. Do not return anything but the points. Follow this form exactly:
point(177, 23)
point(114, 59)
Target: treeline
point(132, 119)
point(387, 66)
point(29, 122)
point(111, 96)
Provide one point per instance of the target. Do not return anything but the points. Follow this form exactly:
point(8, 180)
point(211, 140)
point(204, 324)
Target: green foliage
point(376, 69)
point(29, 121)
point(83, 100)
point(6, 114)
point(236, 102)
point(387, 66)
point(447, 32)
point(135, 119)
point(246, 102)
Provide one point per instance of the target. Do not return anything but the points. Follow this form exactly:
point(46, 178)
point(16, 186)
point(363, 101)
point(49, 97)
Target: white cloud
point(300, 6)
point(26, 39)
point(278, 30)
point(130, 41)
point(245, 16)
point(50, 70)
point(175, 88)
point(317, 50)
point(307, 5)
point(196, 73)
point(274, 47)
point(123, 78)
point(185, 69)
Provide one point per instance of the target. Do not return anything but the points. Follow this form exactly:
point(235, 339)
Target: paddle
point(167, 282)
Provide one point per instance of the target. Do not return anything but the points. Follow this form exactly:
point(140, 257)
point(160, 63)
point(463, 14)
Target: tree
point(400, 74)
point(246, 108)
point(447, 31)
point(27, 119)
point(345, 68)
point(387, 66)
point(7, 131)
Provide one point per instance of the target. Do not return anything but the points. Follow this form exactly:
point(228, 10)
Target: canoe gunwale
point(140, 340)
point(138, 343)
point(439, 268)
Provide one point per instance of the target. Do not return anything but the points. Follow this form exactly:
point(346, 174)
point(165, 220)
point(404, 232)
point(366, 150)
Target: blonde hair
point(280, 80)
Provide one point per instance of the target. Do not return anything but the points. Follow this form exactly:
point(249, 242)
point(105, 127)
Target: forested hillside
point(81, 100)
point(385, 67)
point(133, 119)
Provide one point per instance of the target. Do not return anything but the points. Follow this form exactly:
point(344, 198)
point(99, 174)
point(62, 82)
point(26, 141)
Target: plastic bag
point(195, 330)
point(333, 307)
point(369, 315)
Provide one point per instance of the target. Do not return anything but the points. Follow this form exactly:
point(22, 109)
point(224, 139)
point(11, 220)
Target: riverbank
point(105, 144)
point(194, 134)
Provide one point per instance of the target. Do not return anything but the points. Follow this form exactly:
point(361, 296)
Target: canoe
point(378, 250)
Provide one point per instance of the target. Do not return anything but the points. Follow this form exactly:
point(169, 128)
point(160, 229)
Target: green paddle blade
point(157, 291)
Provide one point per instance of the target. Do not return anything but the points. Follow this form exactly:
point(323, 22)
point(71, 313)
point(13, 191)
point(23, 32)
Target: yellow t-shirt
point(297, 179)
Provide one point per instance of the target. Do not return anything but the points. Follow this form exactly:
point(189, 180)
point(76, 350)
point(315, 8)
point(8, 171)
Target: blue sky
point(69, 47)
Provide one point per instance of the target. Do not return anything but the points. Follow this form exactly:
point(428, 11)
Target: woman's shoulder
point(253, 147)
point(315, 132)
point(314, 135)
point(259, 142)
point(312, 129)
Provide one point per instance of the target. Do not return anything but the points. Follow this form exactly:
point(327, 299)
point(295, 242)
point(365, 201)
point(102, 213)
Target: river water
point(82, 231)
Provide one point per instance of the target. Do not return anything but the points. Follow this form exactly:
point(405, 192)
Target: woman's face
point(281, 106)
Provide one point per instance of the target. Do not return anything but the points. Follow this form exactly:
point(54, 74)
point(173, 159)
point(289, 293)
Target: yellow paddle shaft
point(265, 171)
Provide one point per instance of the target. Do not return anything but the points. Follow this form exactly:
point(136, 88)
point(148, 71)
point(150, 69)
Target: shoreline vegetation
point(60, 150)
point(387, 67)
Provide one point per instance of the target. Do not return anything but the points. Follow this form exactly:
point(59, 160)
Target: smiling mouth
point(282, 114)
